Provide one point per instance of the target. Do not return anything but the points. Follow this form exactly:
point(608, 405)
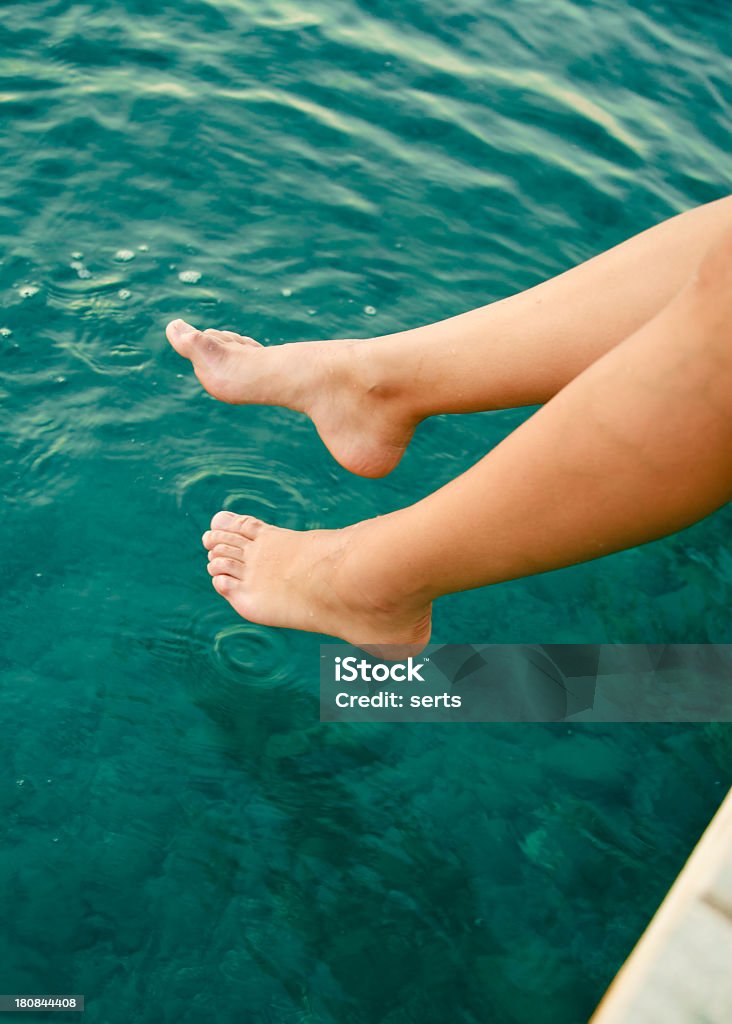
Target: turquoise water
point(181, 840)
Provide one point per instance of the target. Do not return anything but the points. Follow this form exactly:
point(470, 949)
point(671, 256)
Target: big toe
point(233, 523)
point(224, 521)
point(181, 336)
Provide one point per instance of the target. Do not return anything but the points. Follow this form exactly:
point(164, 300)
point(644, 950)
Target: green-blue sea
point(181, 840)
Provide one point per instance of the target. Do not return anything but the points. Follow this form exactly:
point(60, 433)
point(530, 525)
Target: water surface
point(182, 841)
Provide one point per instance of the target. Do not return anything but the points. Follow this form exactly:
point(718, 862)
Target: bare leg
point(366, 397)
point(636, 446)
point(524, 349)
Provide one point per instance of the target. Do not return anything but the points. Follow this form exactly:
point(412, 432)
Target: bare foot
point(321, 581)
point(362, 419)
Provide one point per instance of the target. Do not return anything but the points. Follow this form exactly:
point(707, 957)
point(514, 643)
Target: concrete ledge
point(680, 972)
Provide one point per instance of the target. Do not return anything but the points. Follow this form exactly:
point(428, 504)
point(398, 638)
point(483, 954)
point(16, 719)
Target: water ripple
point(248, 654)
point(249, 480)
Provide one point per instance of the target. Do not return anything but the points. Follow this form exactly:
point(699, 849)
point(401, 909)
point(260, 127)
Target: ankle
point(384, 373)
point(373, 568)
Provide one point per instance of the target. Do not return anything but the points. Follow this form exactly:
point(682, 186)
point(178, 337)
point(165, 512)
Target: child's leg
point(366, 397)
point(635, 447)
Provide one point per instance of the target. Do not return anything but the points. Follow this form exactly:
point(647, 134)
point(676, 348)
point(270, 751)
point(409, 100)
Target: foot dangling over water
point(362, 418)
point(321, 581)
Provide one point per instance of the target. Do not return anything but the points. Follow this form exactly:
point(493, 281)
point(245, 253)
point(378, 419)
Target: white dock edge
point(680, 972)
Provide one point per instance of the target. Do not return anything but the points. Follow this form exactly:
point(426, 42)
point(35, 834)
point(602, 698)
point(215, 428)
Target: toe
point(226, 567)
point(213, 537)
point(224, 521)
point(204, 348)
point(240, 339)
point(222, 336)
point(181, 336)
point(247, 526)
point(227, 551)
point(224, 584)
